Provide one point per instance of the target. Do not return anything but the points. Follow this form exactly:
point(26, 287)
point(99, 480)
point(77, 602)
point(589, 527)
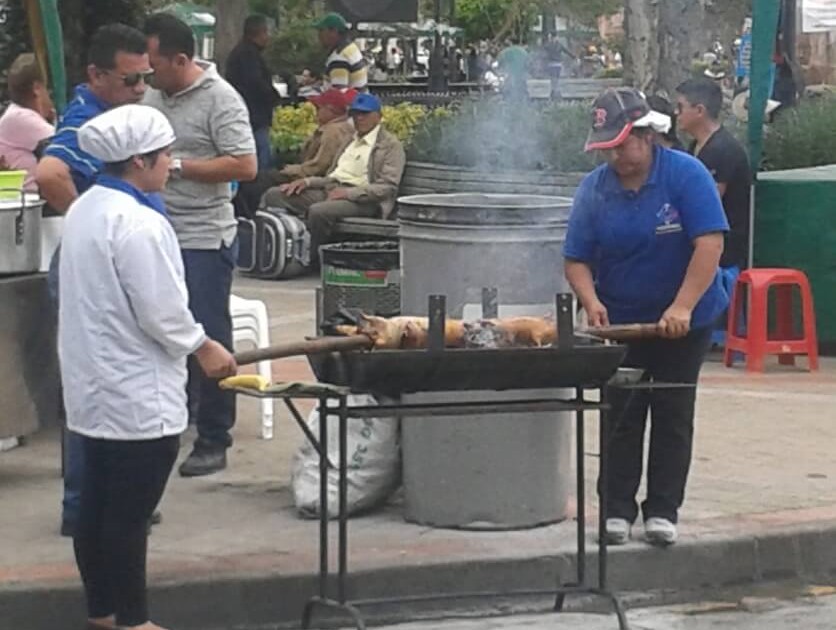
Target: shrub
point(291, 127)
point(802, 136)
point(294, 124)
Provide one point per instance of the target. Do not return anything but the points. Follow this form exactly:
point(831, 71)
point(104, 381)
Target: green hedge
point(802, 136)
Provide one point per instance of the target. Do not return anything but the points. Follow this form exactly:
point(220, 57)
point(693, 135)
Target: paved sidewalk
point(231, 550)
point(807, 613)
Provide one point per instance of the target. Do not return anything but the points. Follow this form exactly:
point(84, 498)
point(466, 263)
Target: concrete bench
point(357, 228)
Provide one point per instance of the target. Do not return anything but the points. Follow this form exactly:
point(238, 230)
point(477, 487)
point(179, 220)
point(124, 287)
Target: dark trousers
point(209, 280)
point(123, 482)
point(671, 427)
point(319, 214)
point(263, 148)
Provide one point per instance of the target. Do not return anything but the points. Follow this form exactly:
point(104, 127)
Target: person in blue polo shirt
point(117, 71)
point(643, 246)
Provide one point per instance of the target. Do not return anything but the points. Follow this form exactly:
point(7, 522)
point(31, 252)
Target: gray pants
point(319, 214)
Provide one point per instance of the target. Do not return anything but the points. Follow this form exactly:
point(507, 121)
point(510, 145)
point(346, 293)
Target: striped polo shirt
point(346, 67)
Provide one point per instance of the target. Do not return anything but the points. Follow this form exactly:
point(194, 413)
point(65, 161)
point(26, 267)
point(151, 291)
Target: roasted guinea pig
point(392, 333)
point(407, 332)
point(511, 332)
point(416, 333)
point(529, 331)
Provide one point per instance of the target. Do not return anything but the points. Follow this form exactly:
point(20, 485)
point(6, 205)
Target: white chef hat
point(123, 132)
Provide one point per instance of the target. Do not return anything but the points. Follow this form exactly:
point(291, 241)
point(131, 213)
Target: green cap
point(331, 20)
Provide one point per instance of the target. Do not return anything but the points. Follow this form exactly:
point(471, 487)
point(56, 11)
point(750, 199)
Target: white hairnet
point(123, 132)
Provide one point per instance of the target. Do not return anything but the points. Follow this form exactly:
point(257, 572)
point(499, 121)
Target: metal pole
point(790, 28)
point(581, 492)
point(343, 534)
point(323, 498)
point(603, 465)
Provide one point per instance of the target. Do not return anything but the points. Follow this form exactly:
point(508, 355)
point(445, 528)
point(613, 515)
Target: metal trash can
point(361, 275)
point(501, 471)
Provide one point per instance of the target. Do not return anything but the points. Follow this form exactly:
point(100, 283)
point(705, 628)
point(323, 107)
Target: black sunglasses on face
point(133, 79)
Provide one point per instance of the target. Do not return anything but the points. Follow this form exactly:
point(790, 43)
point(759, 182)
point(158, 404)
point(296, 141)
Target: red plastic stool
point(756, 344)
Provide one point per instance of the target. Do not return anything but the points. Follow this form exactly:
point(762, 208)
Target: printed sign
point(818, 16)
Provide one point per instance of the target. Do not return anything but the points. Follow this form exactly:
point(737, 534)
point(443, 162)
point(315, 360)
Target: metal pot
point(20, 233)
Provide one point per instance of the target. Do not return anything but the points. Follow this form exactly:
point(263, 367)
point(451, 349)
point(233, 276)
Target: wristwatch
point(176, 168)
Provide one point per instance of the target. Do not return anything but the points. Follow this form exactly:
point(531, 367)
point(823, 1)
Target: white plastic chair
point(251, 325)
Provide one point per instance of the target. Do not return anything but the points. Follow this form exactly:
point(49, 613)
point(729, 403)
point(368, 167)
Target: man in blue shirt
point(117, 70)
point(643, 246)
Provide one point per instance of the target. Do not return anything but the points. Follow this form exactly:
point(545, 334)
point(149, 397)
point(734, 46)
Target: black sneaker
point(203, 462)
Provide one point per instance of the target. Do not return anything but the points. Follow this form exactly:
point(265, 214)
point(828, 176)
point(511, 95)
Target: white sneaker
point(618, 531)
point(660, 531)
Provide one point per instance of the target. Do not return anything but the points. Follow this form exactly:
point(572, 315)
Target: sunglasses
point(135, 78)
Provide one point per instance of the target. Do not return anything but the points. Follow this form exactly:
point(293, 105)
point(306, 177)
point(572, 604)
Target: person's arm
point(580, 250)
point(579, 275)
point(676, 320)
point(150, 280)
point(231, 133)
point(226, 168)
point(393, 163)
point(55, 183)
point(704, 221)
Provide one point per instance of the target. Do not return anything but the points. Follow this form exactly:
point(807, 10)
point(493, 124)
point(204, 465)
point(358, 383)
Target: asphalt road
point(808, 613)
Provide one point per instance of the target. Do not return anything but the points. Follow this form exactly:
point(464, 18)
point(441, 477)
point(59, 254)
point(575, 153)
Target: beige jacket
point(386, 166)
point(321, 149)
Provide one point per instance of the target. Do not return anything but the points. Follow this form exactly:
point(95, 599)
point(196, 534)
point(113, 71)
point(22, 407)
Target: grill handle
point(322, 345)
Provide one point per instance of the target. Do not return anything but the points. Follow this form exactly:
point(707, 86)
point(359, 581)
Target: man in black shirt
point(699, 103)
point(247, 71)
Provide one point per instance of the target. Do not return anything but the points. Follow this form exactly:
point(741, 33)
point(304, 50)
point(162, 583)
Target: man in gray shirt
point(214, 147)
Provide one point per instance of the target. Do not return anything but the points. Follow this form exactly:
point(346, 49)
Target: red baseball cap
point(335, 99)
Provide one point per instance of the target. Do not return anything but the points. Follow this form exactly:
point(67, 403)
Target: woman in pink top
point(26, 123)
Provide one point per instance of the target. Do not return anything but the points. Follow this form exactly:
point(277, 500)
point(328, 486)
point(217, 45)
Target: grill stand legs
point(341, 603)
point(579, 586)
point(321, 600)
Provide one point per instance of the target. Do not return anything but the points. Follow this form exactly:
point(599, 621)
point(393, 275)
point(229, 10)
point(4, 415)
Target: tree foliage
point(494, 19)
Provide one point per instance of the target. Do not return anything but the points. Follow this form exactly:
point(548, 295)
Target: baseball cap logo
point(599, 117)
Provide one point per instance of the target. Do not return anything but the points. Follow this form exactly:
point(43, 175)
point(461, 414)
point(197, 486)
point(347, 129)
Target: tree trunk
point(641, 23)
point(229, 27)
point(682, 34)
point(663, 36)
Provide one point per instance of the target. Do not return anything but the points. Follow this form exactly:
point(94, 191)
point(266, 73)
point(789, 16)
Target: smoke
point(502, 134)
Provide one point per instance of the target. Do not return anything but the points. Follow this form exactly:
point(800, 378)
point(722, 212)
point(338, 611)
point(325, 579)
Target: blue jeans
point(73, 443)
point(263, 148)
point(209, 280)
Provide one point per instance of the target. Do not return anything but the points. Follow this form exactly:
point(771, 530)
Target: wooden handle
point(304, 348)
point(620, 332)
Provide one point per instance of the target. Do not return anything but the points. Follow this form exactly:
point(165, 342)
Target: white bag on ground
point(374, 468)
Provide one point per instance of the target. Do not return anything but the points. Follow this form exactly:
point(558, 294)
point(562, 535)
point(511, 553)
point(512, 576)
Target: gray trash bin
point(501, 471)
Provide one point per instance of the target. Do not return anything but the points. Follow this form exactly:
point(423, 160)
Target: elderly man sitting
point(326, 143)
point(362, 182)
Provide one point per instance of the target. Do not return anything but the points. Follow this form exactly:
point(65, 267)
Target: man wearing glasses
point(116, 74)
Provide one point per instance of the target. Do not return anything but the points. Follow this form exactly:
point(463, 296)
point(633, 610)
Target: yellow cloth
point(353, 165)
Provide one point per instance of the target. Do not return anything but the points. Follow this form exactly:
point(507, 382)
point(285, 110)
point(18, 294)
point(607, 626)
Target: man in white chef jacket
point(125, 331)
